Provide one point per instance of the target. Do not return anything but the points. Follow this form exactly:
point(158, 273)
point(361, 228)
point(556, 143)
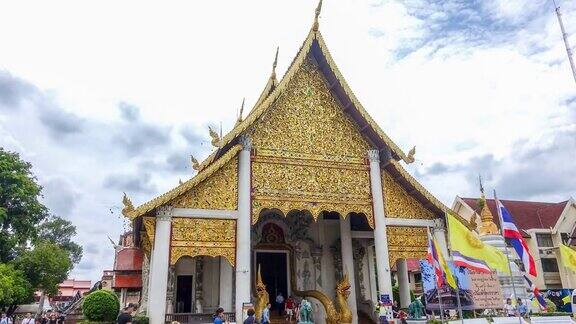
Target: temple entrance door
point(184, 294)
point(274, 270)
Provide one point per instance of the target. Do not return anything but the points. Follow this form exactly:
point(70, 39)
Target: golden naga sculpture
point(262, 297)
point(128, 206)
point(195, 164)
point(339, 314)
point(410, 156)
point(216, 140)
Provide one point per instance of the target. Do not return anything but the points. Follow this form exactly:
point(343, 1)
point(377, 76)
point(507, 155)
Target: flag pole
point(506, 250)
point(455, 279)
point(436, 281)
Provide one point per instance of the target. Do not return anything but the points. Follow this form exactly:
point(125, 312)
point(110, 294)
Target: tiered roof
point(315, 48)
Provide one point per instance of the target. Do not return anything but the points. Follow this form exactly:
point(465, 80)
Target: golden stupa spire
point(487, 227)
point(317, 14)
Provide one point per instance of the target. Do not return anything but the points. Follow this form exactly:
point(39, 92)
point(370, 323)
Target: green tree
point(60, 232)
point(45, 266)
point(14, 287)
point(20, 208)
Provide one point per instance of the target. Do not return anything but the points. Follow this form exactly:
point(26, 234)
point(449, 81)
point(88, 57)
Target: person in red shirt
point(289, 308)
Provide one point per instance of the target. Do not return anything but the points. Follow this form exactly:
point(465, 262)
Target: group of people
point(48, 317)
point(520, 309)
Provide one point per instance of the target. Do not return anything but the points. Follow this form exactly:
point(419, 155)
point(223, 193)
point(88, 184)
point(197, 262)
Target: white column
point(325, 254)
point(348, 265)
point(225, 285)
point(440, 236)
point(380, 236)
point(372, 271)
point(403, 283)
point(243, 276)
point(160, 264)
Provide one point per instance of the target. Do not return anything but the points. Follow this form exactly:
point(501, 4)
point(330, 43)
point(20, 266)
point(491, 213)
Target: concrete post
point(160, 264)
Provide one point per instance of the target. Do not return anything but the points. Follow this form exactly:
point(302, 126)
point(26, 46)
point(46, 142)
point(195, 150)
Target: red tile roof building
point(544, 225)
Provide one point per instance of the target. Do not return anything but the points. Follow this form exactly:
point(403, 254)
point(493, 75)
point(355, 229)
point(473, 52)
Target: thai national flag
point(513, 235)
point(536, 292)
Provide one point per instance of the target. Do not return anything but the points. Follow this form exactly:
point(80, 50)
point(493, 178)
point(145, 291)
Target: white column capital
point(246, 142)
point(374, 155)
point(164, 213)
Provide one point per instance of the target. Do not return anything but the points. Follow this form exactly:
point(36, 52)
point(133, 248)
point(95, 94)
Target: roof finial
point(275, 62)
point(241, 111)
point(318, 10)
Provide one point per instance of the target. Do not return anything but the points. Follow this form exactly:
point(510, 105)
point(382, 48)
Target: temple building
point(305, 196)
point(544, 226)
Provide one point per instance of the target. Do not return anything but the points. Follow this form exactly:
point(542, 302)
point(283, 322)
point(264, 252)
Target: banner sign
point(477, 290)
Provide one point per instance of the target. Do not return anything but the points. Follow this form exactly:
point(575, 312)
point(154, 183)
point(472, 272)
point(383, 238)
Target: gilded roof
point(184, 187)
point(270, 93)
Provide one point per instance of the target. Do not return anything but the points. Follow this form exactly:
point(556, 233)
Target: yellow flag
point(568, 257)
point(467, 243)
point(449, 277)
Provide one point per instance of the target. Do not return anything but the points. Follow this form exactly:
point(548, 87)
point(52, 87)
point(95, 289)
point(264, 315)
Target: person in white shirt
point(280, 303)
point(5, 320)
point(28, 319)
point(509, 308)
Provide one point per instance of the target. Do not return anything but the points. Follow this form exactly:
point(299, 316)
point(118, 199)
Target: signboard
point(385, 300)
point(385, 308)
point(486, 290)
point(477, 290)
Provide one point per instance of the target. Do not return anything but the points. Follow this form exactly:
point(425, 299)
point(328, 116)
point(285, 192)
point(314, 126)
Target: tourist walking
point(289, 308)
point(4, 319)
point(522, 308)
point(280, 303)
point(219, 316)
point(28, 319)
point(251, 319)
point(266, 314)
point(509, 308)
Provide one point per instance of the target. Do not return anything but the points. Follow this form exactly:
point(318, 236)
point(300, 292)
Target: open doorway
point(184, 294)
point(274, 271)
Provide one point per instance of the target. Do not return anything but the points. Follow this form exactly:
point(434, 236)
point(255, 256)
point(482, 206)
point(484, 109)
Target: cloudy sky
point(110, 96)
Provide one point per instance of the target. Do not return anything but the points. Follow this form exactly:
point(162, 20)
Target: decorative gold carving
point(216, 141)
point(195, 164)
point(262, 297)
point(150, 227)
point(406, 242)
point(220, 191)
point(186, 186)
point(410, 157)
point(309, 154)
point(145, 245)
point(128, 206)
point(306, 118)
point(399, 204)
point(239, 120)
point(198, 236)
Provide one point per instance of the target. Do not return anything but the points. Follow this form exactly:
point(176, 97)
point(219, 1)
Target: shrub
point(140, 319)
point(101, 305)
